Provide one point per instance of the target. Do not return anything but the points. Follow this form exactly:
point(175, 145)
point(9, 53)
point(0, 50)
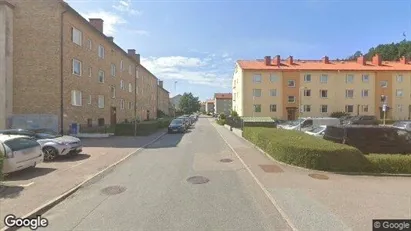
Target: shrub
point(143, 128)
point(234, 114)
point(382, 163)
point(339, 114)
point(221, 122)
point(296, 148)
point(223, 116)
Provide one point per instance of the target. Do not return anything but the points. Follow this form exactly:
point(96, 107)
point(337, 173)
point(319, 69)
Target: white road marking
point(269, 196)
point(26, 185)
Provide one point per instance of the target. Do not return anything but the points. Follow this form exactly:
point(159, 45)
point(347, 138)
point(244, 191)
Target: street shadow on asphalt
point(168, 141)
point(10, 192)
point(27, 174)
point(78, 157)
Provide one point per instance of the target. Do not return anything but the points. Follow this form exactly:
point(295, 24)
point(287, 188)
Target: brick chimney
point(160, 83)
point(277, 60)
point(138, 58)
point(290, 60)
point(132, 53)
point(403, 60)
point(376, 60)
point(111, 38)
point(267, 60)
point(97, 23)
point(326, 60)
point(361, 60)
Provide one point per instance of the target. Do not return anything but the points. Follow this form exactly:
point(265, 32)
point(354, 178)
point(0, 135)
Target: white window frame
point(347, 106)
point(365, 78)
point(76, 36)
point(256, 77)
point(400, 78)
point(290, 81)
point(121, 84)
point(90, 100)
point(273, 91)
point(307, 108)
point(274, 106)
point(122, 104)
point(121, 65)
point(346, 93)
point(113, 70)
point(90, 71)
point(101, 51)
point(349, 78)
point(363, 93)
point(130, 87)
point(90, 44)
point(322, 106)
point(74, 62)
point(307, 78)
point(76, 98)
point(292, 101)
point(321, 95)
point(399, 91)
point(257, 90)
point(100, 101)
point(383, 83)
point(306, 91)
point(273, 78)
point(103, 74)
point(324, 78)
point(113, 92)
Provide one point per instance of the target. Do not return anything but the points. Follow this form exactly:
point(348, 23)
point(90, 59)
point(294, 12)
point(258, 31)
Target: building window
point(130, 87)
point(90, 44)
point(101, 76)
point(89, 99)
point(384, 84)
point(291, 99)
point(122, 104)
point(101, 51)
point(90, 71)
point(76, 67)
point(273, 108)
point(349, 93)
point(113, 70)
point(130, 105)
point(130, 71)
point(307, 78)
point(76, 98)
point(364, 108)
point(400, 78)
point(257, 78)
point(307, 92)
point(89, 123)
point(273, 78)
point(257, 92)
point(349, 79)
point(323, 78)
point(323, 93)
point(364, 93)
point(113, 92)
point(324, 108)
point(349, 108)
point(399, 108)
point(121, 84)
point(399, 93)
point(365, 78)
point(307, 108)
point(76, 36)
point(121, 65)
point(257, 107)
point(273, 92)
point(101, 122)
point(101, 101)
point(291, 83)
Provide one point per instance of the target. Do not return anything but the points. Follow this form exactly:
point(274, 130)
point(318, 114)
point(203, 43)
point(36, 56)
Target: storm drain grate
point(318, 176)
point(197, 180)
point(271, 168)
point(226, 160)
point(113, 190)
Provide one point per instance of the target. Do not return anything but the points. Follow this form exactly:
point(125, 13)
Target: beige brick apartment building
point(163, 99)
point(68, 68)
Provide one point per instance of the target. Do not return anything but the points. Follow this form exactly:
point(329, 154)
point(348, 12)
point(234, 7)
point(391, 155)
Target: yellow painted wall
point(405, 100)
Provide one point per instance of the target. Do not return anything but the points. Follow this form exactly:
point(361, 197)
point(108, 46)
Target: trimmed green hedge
point(387, 121)
point(221, 122)
point(296, 148)
point(143, 128)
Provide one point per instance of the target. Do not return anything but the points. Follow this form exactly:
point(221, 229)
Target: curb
point(325, 172)
point(47, 206)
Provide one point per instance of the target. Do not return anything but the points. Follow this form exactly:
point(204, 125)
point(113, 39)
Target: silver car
point(52, 144)
point(405, 124)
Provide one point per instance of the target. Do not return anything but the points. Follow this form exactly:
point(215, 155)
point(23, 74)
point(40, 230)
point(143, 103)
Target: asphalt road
point(150, 191)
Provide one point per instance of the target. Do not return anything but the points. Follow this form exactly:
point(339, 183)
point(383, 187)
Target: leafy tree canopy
point(189, 104)
point(388, 52)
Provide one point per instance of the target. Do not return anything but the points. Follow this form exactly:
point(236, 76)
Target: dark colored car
point(177, 126)
point(361, 120)
point(371, 139)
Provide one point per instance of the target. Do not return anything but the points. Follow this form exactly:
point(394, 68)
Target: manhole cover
point(318, 176)
point(113, 190)
point(226, 160)
point(198, 180)
point(271, 168)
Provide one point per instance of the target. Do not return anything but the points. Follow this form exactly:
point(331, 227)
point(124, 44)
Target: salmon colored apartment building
point(55, 62)
point(287, 89)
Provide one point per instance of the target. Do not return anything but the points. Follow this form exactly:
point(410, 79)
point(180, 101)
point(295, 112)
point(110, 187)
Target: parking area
point(28, 189)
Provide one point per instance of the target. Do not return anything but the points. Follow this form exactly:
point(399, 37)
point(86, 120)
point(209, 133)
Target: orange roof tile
point(223, 96)
point(319, 65)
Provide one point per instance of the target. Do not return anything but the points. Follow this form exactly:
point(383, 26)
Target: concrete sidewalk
point(338, 202)
point(28, 190)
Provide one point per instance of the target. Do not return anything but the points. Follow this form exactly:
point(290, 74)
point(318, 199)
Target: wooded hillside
point(388, 52)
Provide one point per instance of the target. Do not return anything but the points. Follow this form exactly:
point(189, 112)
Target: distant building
point(176, 101)
point(223, 103)
point(163, 99)
point(203, 107)
point(209, 106)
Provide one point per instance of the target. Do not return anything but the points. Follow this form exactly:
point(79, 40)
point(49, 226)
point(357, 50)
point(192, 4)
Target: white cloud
point(125, 6)
point(111, 20)
point(201, 71)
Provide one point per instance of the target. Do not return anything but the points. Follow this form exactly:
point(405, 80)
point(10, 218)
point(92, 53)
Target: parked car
point(53, 145)
point(186, 121)
point(177, 126)
point(405, 124)
point(361, 120)
point(308, 123)
point(344, 118)
point(317, 131)
point(371, 139)
point(20, 152)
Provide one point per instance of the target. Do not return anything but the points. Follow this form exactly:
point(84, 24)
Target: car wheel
point(50, 153)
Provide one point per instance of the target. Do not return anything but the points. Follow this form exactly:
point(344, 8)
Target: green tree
point(189, 104)
point(388, 52)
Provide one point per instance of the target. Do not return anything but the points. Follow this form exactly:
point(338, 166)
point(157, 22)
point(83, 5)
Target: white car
point(20, 152)
point(406, 125)
point(317, 131)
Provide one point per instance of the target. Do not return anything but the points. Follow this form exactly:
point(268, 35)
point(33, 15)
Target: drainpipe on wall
point(62, 73)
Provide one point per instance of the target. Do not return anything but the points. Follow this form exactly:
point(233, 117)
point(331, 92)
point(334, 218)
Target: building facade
point(163, 99)
point(291, 88)
point(69, 69)
point(223, 103)
point(210, 106)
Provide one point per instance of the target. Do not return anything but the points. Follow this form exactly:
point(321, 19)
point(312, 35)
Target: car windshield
point(295, 122)
point(400, 124)
point(177, 122)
